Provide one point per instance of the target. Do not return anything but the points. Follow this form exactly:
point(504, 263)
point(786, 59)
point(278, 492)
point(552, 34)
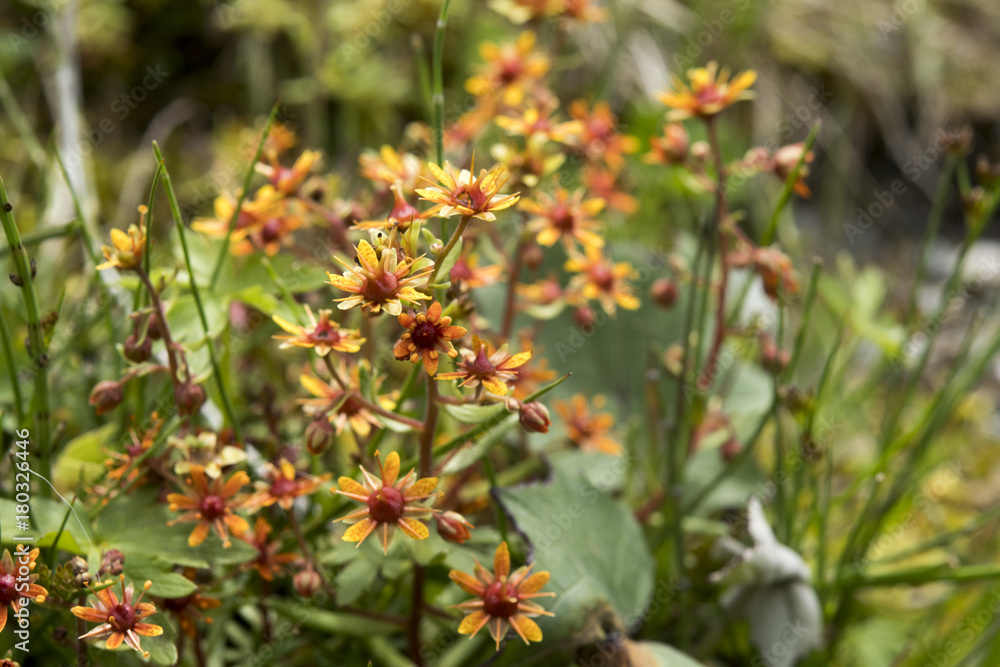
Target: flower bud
point(113, 563)
point(153, 329)
point(532, 255)
point(307, 582)
point(81, 571)
point(534, 417)
point(453, 527)
point(189, 398)
point(138, 352)
point(664, 292)
point(729, 449)
point(106, 396)
point(771, 358)
point(320, 434)
point(585, 318)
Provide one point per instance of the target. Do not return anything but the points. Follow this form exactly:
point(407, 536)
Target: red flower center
point(710, 94)
point(510, 70)
point(460, 271)
point(482, 365)
point(386, 505)
point(123, 617)
point(602, 277)
point(425, 335)
point(212, 507)
point(282, 486)
point(8, 589)
point(562, 217)
point(271, 231)
point(499, 601)
point(381, 287)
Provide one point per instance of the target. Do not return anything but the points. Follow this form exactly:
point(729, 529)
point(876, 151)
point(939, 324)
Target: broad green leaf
point(82, 457)
point(592, 545)
point(166, 584)
point(46, 516)
point(473, 414)
point(479, 446)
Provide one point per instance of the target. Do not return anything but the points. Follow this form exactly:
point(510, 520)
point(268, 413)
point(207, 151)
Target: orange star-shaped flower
point(390, 503)
point(502, 599)
point(322, 335)
point(283, 486)
point(378, 282)
point(586, 430)
point(120, 619)
point(492, 371)
point(464, 194)
point(210, 505)
point(711, 91)
point(427, 334)
point(11, 588)
point(565, 216)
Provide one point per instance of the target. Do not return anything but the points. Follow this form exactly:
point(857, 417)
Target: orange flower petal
point(501, 561)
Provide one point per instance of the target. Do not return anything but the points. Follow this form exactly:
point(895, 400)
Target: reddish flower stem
point(161, 321)
point(369, 405)
point(720, 217)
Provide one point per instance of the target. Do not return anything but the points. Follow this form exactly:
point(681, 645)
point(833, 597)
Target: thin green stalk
point(9, 359)
point(786, 189)
point(404, 393)
point(36, 337)
point(212, 353)
point(224, 250)
point(286, 294)
point(447, 248)
point(438, 98)
point(800, 337)
point(933, 225)
point(147, 253)
point(423, 73)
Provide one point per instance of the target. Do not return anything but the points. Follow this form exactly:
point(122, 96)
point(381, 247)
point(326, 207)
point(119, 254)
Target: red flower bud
point(533, 256)
point(106, 395)
point(307, 582)
point(189, 398)
point(453, 527)
point(534, 417)
point(664, 292)
point(320, 434)
point(136, 352)
point(113, 563)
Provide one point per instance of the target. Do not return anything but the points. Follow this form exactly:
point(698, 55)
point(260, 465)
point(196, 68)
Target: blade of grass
point(213, 354)
point(224, 250)
point(21, 123)
point(36, 337)
point(789, 185)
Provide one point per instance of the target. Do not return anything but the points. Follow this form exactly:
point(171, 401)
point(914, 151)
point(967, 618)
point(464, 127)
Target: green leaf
point(444, 271)
point(83, 456)
point(473, 414)
point(45, 518)
point(481, 443)
point(666, 656)
point(166, 584)
point(592, 545)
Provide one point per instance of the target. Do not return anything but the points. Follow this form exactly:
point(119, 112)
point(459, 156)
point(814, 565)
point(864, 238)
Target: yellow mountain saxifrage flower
point(390, 503)
point(600, 278)
point(121, 620)
point(511, 70)
point(711, 91)
point(282, 486)
point(469, 275)
point(286, 181)
point(427, 335)
point(266, 222)
point(210, 504)
point(389, 167)
point(464, 194)
point(600, 139)
point(565, 216)
point(492, 371)
point(322, 335)
point(268, 562)
point(378, 283)
point(125, 251)
point(587, 430)
point(328, 403)
point(536, 122)
point(12, 590)
point(502, 599)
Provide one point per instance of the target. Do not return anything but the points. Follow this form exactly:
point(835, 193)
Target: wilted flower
point(106, 396)
point(709, 93)
point(12, 582)
point(389, 503)
point(210, 504)
point(588, 431)
point(120, 619)
point(502, 598)
point(466, 195)
point(112, 562)
point(565, 216)
point(492, 371)
point(378, 283)
point(322, 335)
point(426, 336)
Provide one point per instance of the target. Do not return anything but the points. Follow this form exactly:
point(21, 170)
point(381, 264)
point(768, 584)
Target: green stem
point(447, 248)
point(933, 225)
point(788, 187)
point(54, 232)
point(21, 123)
point(175, 210)
point(438, 97)
point(36, 337)
point(8, 354)
point(224, 250)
